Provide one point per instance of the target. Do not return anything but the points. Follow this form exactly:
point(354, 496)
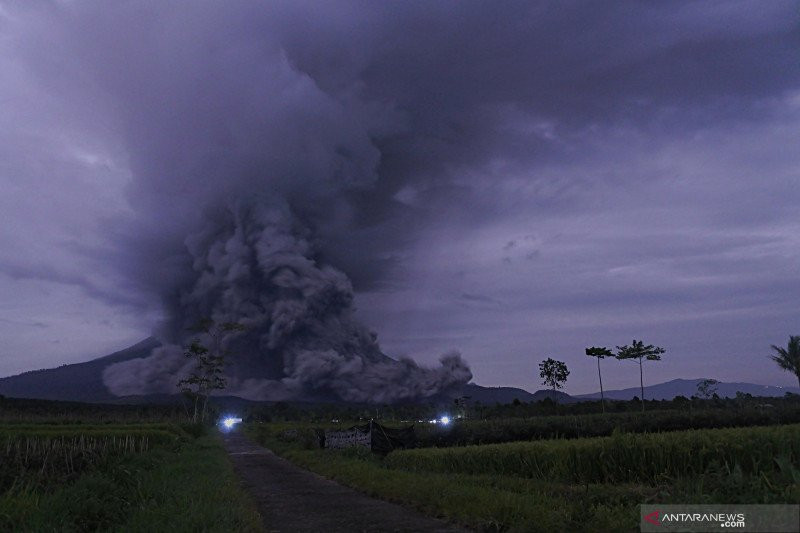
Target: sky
point(513, 181)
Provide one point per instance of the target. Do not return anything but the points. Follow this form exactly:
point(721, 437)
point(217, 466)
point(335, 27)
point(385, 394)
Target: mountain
point(688, 388)
point(79, 382)
point(83, 382)
point(492, 395)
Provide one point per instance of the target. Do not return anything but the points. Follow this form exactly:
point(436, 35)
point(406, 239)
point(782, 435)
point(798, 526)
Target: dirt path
point(292, 499)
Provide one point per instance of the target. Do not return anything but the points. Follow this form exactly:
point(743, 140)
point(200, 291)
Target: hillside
point(491, 395)
point(79, 382)
point(688, 388)
point(83, 382)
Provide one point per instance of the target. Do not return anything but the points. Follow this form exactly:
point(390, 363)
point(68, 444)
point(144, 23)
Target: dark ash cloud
point(280, 158)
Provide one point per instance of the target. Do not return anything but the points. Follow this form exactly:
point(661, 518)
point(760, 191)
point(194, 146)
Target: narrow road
point(291, 499)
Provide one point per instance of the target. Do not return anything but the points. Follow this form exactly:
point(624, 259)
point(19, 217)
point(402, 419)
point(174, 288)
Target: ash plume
point(251, 265)
point(245, 169)
point(283, 155)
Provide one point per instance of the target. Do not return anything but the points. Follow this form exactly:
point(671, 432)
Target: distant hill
point(688, 388)
point(492, 395)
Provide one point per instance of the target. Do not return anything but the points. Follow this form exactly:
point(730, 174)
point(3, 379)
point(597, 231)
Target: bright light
point(445, 420)
point(230, 421)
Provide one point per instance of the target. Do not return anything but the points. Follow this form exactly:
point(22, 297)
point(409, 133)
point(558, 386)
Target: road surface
point(291, 499)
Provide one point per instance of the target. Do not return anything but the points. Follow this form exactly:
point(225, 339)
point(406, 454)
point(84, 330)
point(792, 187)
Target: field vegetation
point(545, 474)
point(126, 473)
point(620, 458)
point(27, 411)
point(497, 430)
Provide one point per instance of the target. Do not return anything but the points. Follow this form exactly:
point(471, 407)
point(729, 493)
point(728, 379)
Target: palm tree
point(639, 351)
point(789, 358)
point(599, 353)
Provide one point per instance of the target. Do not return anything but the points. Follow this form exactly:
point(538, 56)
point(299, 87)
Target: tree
point(789, 358)
point(208, 373)
point(641, 352)
point(600, 353)
point(461, 406)
point(554, 373)
point(707, 388)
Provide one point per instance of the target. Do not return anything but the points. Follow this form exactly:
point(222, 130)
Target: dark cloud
point(398, 150)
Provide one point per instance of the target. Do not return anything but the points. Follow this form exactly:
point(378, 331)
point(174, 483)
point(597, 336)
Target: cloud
point(407, 145)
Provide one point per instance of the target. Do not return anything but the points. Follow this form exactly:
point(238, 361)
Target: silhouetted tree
point(207, 374)
point(707, 388)
point(600, 353)
point(789, 358)
point(553, 373)
point(641, 352)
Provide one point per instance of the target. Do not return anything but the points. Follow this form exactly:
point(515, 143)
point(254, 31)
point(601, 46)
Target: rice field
point(499, 430)
point(569, 484)
point(44, 455)
point(117, 476)
point(620, 458)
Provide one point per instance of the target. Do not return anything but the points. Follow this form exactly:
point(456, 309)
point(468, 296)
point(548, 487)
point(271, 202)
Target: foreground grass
point(522, 487)
point(190, 488)
point(499, 430)
point(490, 503)
point(649, 457)
point(485, 502)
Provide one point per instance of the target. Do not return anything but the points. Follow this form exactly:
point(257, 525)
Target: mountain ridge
point(83, 382)
point(688, 388)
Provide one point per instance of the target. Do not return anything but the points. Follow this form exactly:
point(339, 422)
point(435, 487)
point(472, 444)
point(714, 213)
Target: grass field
point(90, 470)
point(120, 477)
point(499, 430)
point(582, 484)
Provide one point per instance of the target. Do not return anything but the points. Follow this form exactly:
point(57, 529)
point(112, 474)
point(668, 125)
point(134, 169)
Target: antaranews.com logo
point(660, 518)
point(755, 518)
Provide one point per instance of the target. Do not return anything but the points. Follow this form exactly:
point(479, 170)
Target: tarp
point(346, 439)
point(385, 439)
point(381, 439)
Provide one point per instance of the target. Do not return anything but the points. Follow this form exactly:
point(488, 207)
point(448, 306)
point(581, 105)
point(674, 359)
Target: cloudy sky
point(512, 180)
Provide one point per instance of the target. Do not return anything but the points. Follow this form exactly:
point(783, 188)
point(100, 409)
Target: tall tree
point(600, 353)
point(208, 373)
point(641, 352)
point(789, 358)
point(554, 374)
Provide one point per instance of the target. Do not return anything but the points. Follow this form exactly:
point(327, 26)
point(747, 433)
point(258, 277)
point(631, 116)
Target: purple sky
point(515, 181)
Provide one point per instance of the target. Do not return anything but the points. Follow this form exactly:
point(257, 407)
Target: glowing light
point(230, 421)
point(445, 420)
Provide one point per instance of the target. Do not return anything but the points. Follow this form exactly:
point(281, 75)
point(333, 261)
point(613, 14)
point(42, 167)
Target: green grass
point(485, 502)
point(619, 458)
point(190, 487)
point(491, 431)
point(592, 484)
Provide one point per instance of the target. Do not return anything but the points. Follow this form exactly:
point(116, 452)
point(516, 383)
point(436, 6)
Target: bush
point(195, 430)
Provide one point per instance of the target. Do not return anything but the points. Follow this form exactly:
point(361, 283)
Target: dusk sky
point(510, 180)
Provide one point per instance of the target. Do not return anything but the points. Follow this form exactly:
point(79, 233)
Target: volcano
point(80, 382)
point(83, 382)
